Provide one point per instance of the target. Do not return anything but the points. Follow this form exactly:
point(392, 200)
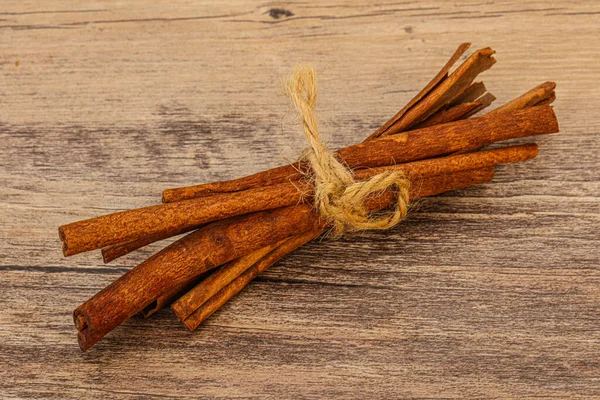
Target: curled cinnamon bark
point(540, 95)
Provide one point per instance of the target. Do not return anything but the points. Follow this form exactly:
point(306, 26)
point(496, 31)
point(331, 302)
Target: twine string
point(337, 196)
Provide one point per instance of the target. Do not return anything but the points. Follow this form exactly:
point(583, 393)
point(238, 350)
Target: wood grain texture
point(490, 292)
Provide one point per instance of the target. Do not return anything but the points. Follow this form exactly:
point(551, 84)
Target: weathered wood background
point(490, 292)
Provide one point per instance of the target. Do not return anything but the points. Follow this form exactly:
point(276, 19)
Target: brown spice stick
point(115, 251)
point(428, 187)
point(413, 145)
point(542, 94)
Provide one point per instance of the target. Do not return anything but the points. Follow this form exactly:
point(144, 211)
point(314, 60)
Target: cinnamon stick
point(193, 308)
point(120, 249)
point(540, 95)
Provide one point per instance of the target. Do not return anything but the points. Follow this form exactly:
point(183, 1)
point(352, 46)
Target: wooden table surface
point(488, 292)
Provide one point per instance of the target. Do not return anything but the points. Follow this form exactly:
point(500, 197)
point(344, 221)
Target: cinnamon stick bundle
point(263, 217)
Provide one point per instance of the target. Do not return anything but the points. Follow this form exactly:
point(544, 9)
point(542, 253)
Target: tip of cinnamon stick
point(189, 325)
point(63, 238)
point(65, 249)
point(463, 47)
point(84, 344)
point(554, 121)
point(549, 85)
point(61, 233)
point(106, 258)
point(178, 311)
point(80, 322)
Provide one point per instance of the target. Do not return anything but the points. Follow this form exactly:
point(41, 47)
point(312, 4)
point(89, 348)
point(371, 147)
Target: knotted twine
point(337, 196)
